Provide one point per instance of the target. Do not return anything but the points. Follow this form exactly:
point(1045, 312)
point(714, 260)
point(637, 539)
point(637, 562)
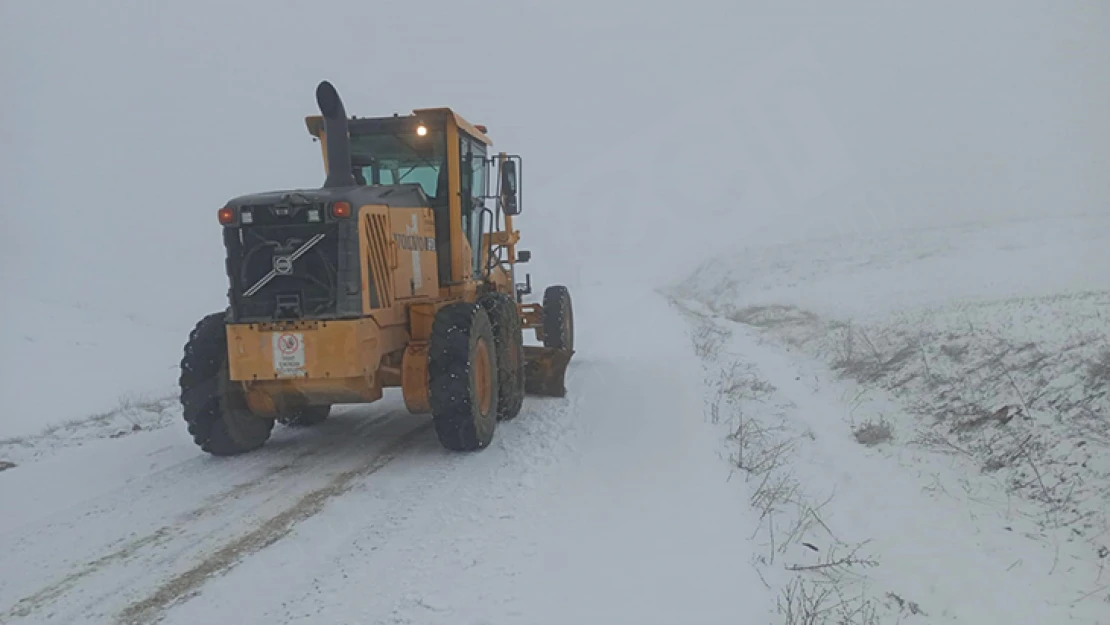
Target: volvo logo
point(283, 265)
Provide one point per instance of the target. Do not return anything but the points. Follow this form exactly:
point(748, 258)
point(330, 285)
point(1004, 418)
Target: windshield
point(385, 157)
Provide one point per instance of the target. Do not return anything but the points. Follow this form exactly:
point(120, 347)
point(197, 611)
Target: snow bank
point(857, 527)
point(986, 343)
point(866, 276)
point(66, 362)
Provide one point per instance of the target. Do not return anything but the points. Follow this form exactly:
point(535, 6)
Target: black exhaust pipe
point(338, 136)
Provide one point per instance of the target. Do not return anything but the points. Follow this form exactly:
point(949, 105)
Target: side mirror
point(510, 188)
point(523, 256)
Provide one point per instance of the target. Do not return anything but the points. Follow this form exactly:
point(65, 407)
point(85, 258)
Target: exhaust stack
point(337, 135)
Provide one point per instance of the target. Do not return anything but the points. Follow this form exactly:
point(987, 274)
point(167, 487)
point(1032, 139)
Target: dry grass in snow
point(1030, 409)
point(134, 414)
point(873, 432)
point(815, 574)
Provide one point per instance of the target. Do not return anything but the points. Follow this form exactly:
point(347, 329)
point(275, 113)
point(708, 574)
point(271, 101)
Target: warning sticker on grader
point(289, 353)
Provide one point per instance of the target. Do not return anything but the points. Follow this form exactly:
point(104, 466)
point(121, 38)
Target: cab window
point(386, 158)
point(472, 165)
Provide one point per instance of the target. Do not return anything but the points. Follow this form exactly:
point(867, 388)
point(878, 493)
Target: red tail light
point(226, 215)
point(341, 210)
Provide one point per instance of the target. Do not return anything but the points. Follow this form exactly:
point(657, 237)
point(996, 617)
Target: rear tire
point(462, 375)
point(558, 318)
point(304, 417)
point(215, 409)
point(509, 337)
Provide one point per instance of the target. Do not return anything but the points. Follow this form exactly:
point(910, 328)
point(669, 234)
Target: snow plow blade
point(545, 370)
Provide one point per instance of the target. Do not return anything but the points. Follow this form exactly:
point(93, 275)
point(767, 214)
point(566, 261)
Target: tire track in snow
point(224, 559)
point(135, 548)
point(240, 489)
point(24, 607)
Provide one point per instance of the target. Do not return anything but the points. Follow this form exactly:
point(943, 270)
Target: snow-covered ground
point(940, 395)
point(72, 360)
point(607, 506)
point(759, 442)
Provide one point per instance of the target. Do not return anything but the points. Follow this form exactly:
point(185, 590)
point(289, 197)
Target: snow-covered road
point(607, 506)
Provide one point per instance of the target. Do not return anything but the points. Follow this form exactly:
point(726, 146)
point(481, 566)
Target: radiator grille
point(309, 290)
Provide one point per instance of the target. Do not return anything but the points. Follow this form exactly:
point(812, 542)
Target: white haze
point(653, 133)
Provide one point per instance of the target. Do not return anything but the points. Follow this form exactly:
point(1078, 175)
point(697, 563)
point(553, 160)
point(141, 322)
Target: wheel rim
point(483, 380)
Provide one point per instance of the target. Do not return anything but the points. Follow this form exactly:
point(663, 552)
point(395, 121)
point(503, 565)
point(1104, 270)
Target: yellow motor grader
point(399, 271)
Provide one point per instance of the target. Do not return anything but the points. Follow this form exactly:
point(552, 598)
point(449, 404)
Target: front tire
point(509, 337)
point(462, 375)
point(215, 409)
point(558, 318)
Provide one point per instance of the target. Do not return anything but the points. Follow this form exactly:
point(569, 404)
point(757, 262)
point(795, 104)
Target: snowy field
point(75, 361)
point(936, 399)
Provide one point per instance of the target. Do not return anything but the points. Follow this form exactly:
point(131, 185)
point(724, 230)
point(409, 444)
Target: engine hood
point(401, 195)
